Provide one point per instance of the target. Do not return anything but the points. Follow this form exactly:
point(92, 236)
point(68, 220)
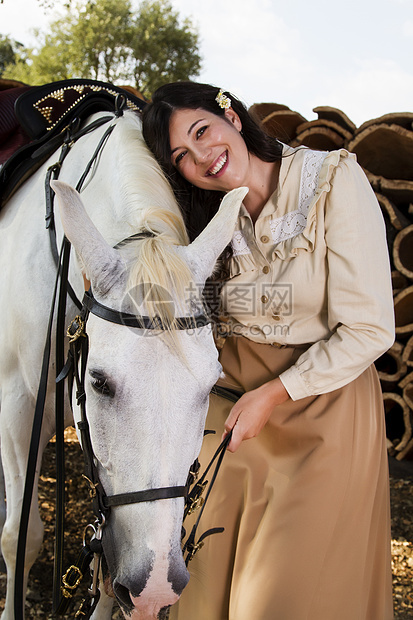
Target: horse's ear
point(204, 251)
point(102, 264)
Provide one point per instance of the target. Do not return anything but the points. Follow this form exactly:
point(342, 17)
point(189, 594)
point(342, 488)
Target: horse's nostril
point(164, 613)
point(123, 596)
point(178, 576)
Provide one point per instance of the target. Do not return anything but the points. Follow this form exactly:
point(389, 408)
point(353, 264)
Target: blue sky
point(355, 55)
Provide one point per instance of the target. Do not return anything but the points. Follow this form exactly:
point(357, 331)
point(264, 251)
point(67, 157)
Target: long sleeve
point(358, 289)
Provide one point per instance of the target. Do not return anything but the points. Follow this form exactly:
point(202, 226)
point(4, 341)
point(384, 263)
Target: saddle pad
point(45, 112)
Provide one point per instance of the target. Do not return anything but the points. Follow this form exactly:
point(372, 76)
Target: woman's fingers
point(236, 439)
point(251, 413)
point(241, 421)
point(232, 418)
point(230, 425)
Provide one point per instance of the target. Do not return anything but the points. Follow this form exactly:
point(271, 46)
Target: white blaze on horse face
point(136, 427)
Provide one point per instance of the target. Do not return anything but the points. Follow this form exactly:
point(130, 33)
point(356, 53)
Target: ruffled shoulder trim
point(296, 230)
point(241, 262)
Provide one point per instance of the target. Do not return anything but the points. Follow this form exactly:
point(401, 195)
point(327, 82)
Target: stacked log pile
point(384, 148)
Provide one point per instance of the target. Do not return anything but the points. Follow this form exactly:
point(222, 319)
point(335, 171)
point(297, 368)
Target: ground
point(79, 514)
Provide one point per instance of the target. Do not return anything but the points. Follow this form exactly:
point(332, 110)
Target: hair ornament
point(222, 100)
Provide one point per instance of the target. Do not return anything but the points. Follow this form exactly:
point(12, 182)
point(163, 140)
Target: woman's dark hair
point(198, 205)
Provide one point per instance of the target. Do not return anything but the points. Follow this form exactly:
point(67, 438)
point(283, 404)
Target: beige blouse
point(314, 269)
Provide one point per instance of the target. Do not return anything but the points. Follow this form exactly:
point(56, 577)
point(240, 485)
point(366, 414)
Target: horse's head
point(147, 396)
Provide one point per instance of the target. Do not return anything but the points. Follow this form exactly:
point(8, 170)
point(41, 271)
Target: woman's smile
point(219, 166)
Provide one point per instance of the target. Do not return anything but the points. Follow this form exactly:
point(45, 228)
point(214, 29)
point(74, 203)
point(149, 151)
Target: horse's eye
point(100, 383)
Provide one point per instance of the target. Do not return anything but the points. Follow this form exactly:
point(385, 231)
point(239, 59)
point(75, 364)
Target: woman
point(308, 308)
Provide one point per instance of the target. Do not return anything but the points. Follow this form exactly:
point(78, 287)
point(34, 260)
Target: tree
point(163, 50)
point(50, 62)
point(100, 39)
point(8, 52)
point(47, 4)
point(105, 39)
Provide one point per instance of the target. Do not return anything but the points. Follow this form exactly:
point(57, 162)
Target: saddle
point(44, 113)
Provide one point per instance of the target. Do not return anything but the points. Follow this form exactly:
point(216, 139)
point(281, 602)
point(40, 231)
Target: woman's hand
point(251, 413)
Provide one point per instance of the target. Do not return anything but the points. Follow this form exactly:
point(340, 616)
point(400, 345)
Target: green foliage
point(100, 38)
point(105, 39)
point(8, 52)
point(163, 50)
point(50, 62)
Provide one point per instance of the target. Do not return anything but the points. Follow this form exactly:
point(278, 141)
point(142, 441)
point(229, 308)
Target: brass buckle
point(192, 549)
point(194, 474)
point(75, 329)
point(80, 611)
point(67, 587)
point(195, 504)
point(92, 485)
point(198, 500)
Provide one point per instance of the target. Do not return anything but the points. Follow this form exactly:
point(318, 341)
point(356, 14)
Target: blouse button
point(265, 269)
point(264, 299)
point(265, 239)
point(276, 317)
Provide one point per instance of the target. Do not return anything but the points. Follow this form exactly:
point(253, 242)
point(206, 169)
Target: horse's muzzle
point(144, 596)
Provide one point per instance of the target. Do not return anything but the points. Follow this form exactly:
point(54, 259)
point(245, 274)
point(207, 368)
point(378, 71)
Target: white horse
point(146, 394)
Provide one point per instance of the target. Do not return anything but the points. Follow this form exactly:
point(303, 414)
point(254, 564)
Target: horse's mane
point(162, 277)
point(156, 269)
point(146, 195)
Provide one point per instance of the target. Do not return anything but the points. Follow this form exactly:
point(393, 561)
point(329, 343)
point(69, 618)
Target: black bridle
point(140, 322)
point(192, 491)
point(79, 347)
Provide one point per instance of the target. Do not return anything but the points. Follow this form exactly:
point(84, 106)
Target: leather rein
point(75, 369)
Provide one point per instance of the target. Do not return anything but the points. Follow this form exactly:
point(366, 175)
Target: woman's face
point(208, 150)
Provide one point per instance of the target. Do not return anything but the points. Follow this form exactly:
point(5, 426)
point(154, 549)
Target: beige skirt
point(305, 505)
